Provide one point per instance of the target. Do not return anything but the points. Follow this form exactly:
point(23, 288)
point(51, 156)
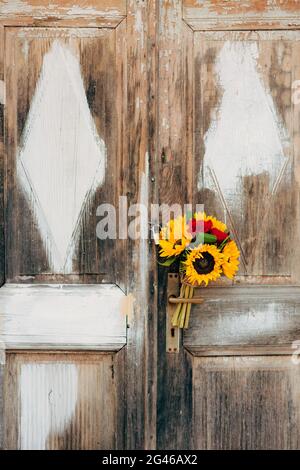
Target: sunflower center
point(205, 264)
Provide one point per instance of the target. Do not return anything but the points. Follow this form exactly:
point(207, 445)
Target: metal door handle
point(182, 300)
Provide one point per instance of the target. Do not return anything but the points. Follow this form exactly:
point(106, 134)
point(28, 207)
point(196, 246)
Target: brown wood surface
point(65, 13)
point(246, 403)
point(141, 356)
point(174, 406)
point(2, 249)
point(2, 158)
point(248, 15)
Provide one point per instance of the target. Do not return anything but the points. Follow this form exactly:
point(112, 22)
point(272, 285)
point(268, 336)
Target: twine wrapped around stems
point(182, 313)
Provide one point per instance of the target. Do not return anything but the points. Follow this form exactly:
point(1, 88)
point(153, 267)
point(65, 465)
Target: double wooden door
point(162, 102)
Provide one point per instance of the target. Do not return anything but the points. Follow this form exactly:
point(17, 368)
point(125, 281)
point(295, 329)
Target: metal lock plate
point(172, 333)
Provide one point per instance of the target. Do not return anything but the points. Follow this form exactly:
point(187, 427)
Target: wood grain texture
point(246, 403)
point(55, 317)
point(231, 15)
point(2, 159)
point(93, 259)
point(174, 407)
point(2, 247)
point(239, 319)
point(61, 401)
point(65, 13)
point(140, 378)
point(2, 369)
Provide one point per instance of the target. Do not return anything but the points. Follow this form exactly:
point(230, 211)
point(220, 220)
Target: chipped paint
point(65, 317)
point(48, 396)
point(25, 49)
point(62, 159)
point(2, 92)
point(68, 8)
point(248, 14)
point(139, 26)
point(2, 352)
point(15, 6)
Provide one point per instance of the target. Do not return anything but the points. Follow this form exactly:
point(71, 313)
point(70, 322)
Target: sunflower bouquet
point(203, 248)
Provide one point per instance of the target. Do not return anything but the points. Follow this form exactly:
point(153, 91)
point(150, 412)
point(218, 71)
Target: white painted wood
point(200, 16)
point(48, 396)
point(75, 317)
point(246, 136)
point(2, 92)
point(92, 9)
point(62, 158)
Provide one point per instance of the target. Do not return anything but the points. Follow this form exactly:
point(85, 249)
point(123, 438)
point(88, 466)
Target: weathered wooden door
point(229, 138)
point(171, 101)
point(73, 135)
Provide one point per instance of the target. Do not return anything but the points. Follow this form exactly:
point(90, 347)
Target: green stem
point(184, 306)
point(176, 314)
point(188, 310)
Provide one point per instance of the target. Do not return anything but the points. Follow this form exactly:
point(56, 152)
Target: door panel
point(253, 319)
point(66, 12)
point(227, 73)
point(61, 401)
point(232, 14)
point(62, 86)
point(68, 317)
point(246, 403)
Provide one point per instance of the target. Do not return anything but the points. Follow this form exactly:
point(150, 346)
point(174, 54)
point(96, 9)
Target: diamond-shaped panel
point(246, 137)
point(62, 159)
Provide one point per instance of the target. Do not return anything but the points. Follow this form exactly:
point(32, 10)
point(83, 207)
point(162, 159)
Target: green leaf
point(224, 242)
point(209, 238)
point(168, 262)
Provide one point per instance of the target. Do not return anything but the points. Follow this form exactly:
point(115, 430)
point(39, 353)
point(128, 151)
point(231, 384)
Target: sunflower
point(215, 222)
point(230, 262)
point(203, 264)
point(174, 237)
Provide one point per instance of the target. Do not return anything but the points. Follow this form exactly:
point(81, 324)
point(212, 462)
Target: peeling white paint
point(48, 395)
point(15, 6)
point(62, 159)
point(76, 10)
point(62, 317)
point(246, 135)
point(25, 49)
point(2, 353)
point(9, 7)
point(139, 26)
point(2, 92)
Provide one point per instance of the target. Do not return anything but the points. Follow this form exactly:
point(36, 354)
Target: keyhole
point(172, 332)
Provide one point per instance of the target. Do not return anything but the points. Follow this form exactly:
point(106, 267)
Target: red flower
point(207, 226)
point(200, 226)
point(219, 234)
